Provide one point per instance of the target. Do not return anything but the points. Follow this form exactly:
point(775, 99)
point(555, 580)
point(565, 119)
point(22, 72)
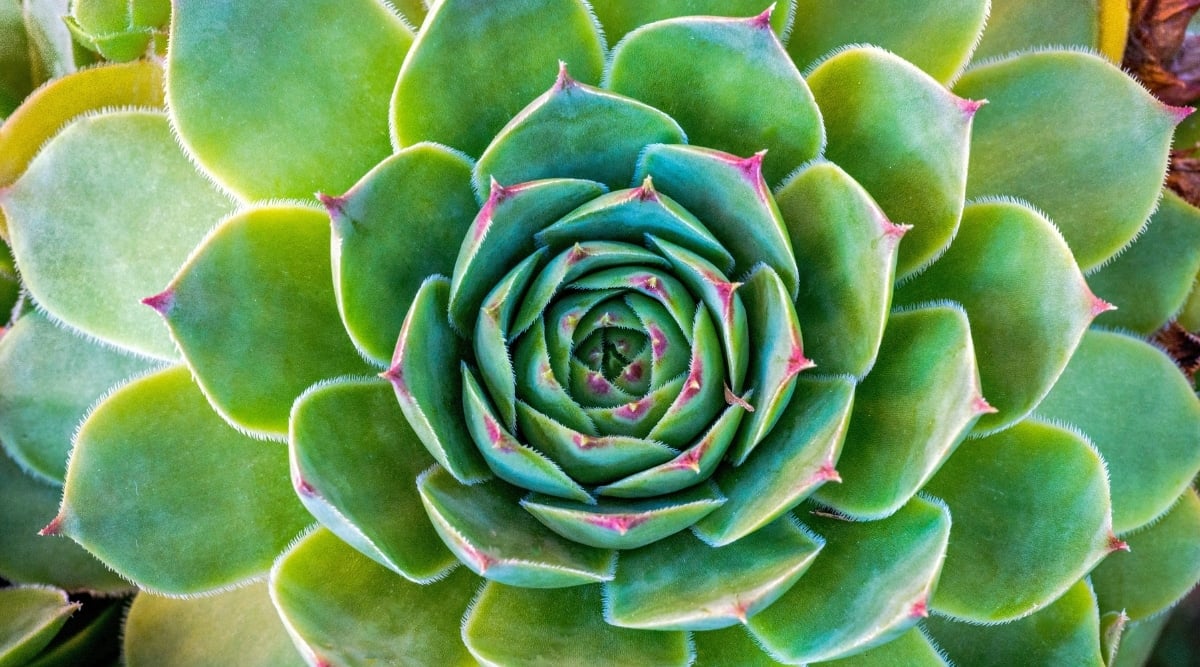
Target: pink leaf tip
point(303, 487)
point(733, 399)
point(161, 302)
point(919, 609)
point(335, 206)
point(1117, 544)
point(618, 523)
point(1099, 306)
point(893, 230)
point(645, 192)
point(1179, 113)
point(828, 473)
point(564, 80)
point(982, 407)
point(969, 107)
point(763, 20)
point(395, 375)
point(52, 528)
point(798, 362)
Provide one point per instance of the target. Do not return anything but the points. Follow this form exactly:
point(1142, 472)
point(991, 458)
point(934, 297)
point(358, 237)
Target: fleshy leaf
point(150, 490)
point(49, 377)
point(90, 636)
point(423, 373)
point(904, 137)
point(729, 194)
point(491, 336)
point(561, 627)
point(575, 131)
point(1036, 139)
point(796, 458)
point(1162, 565)
point(1022, 26)
point(846, 269)
point(486, 528)
point(701, 398)
point(620, 17)
point(1065, 633)
point(890, 565)
point(284, 118)
point(1149, 282)
point(729, 646)
point(1130, 399)
point(624, 524)
point(917, 404)
point(355, 461)
point(824, 26)
point(237, 627)
point(30, 616)
point(109, 225)
point(26, 557)
point(400, 223)
point(502, 235)
point(540, 384)
point(911, 649)
point(245, 297)
point(1026, 300)
point(728, 82)
point(1031, 516)
point(51, 49)
point(366, 614)
point(467, 108)
point(659, 587)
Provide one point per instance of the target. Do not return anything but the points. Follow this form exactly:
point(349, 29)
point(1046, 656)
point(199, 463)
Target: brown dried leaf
point(1183, 346)
point(1159, 51)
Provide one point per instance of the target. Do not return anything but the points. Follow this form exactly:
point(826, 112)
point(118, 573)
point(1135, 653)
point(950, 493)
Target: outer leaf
point(400, 223)
point(151, 492)
point(15, 69)
point(890, 566)
point(49, 377)
point(355, 461)
point(911, 649)
point(1026, 300)
point(620, 17)
point(235, 627)
point(1138, 642)
point(366, 614)
point(1149, 282)
point(50, 47)
point(1162, 565)
point(1035, 140)
point(325, 96)
point(917, 404)
point(1065, 633)
point(29, 618)
point(846, 269)
point(824, 26)
point(728, 82)
point(575, 131)
point(904, 137)
point(245, 297)
point(109, 225)
point(26, 557)
point(92, 637)
point(1130, 399)
point(1095, 24)
point(560, 627)
point(730, 646)
point(1031, 516)
point(465, 110)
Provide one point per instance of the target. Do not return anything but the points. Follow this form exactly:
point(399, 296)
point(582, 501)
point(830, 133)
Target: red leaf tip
point(893, 230)
point(919, 609)
point(646, 191)
point(1117, 544)
point(983, 407)
point(335, 206)
point(1179, 113)
point(1099, 306)
point(395, 375)
point(763, 20)
point(828, 473)
point(969, 107)
point(733, 399)
point(798, 362)
point(564, 80)
point(52, 528)
point(161, 302)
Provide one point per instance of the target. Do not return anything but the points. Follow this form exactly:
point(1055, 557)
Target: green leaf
point(109, 225)
point(1031, 517)
point(1150, 281)
point(15, 65)
point(870, 584)
point(918, 403)
point(400, 223)
point(824, 26)
point(492, 338)
point(428, 358)
point(366, 614)
point(151, 491)
point(49, 377)
point(51, 50)
point(904, 137)
point(911, 649)
point(575, 131)
point(30, 616)
point(795, 459)
point(1036, 139)
point(453, 95)
point(561, 627)
point(620, 17)
point(284, 119)
point(730, 646)
point(1161, 566)
point(613, 523)
point(728, 82)
point(256, 318)
point(502, 235)
point(91, 635)
point(486, 528)
point(1138, 641)
point(729, 194)
point(846, 270)
point(1026, 300)
point(26, 557)
point(355, 462)
point(1142, 415)
point(237, 627)
point(1026, 25)
point(661, 587)
point(1065, 633)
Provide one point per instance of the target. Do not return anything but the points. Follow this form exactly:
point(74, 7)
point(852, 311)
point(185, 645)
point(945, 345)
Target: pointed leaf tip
point(894, 230)
point(968, 106)
point(1179, 113)
point(645, 192)
point(920, 609)
point(1100, 306)
point(335, 206)
point(983, 407)
point(827, 473)
point(564, 80)
point(763, 20)
point(161, 302)
point(1117, 544)
point(53, 528)
point(798, 362)
point(733, 399)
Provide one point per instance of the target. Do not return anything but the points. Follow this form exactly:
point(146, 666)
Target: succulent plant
point(616, 333)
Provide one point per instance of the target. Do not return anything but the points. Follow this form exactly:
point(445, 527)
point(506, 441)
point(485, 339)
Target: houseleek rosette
point(598, 299)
